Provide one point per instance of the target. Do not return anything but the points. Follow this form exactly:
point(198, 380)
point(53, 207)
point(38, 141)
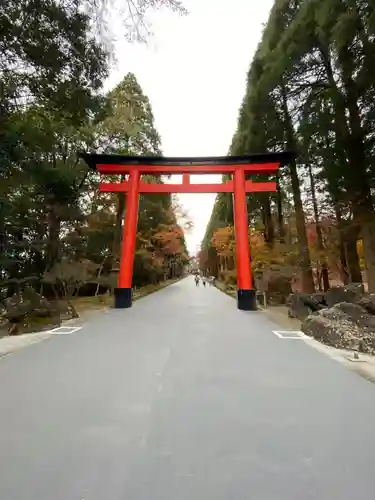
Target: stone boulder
point(66, 310)
point(300, 305)
point(357, 315)
point(15, 308)
point(322, 329)
point(31, 312)
point(346, 326)
point(367, 301)
point(348, 293)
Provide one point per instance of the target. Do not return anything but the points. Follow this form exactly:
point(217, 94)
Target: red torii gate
point(239, 167)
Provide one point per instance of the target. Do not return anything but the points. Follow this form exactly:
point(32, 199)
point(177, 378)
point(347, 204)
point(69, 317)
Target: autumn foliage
point(278, 257)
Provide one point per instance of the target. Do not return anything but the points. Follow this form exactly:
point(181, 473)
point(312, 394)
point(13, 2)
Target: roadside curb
point(11, 344)
point(364, 366)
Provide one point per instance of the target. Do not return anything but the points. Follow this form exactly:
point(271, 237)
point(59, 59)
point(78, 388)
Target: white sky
point(194, 72)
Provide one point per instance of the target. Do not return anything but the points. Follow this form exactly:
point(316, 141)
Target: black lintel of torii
point(94, 159)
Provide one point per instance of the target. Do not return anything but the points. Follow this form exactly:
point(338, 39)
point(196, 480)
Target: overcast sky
point(194, 72)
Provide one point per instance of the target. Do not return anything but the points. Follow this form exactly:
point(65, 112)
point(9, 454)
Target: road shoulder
point(363, 366)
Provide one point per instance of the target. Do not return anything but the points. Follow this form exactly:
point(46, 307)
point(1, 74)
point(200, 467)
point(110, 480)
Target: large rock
point(300, 305)
point(367, 301)
point(348, 322)
point(345, 325)
point(31, 312)
point(322, 329)
point(347, 293)
point(357, 315)
point(15, 309)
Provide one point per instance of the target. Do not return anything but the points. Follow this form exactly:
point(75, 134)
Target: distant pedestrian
point(196, 280)
point(204, 281)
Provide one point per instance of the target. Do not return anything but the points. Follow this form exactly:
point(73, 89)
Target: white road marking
point(65, 330)
point(289, 334)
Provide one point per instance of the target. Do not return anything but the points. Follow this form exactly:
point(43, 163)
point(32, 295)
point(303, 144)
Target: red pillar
point(185, 179)
point(123, 294)
point(245, 294)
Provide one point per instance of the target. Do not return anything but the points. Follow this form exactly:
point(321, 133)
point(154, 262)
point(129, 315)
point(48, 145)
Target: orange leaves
point(257, 243)
point(262, 255)
point(169, 240)
point(224, 241)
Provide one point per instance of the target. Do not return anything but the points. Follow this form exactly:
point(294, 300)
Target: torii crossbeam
point(239, 167)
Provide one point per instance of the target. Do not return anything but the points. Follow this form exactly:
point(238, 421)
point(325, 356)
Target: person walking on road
point(196, 280)
point(204, 281)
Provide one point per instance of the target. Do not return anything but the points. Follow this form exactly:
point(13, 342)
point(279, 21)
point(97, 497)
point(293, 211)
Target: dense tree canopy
point(53, 222)
point(310, 88)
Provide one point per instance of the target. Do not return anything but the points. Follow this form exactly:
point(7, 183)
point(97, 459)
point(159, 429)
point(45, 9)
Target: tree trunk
point(319, 235)
point(3, 236)
point(359, 179)
point(351, 156)
point(99, 275)
point(269, 230)
point(368, 238)
point(307, 280)
point(53, 242)
point(280, 215)
point(351, 255)
point(344, 265)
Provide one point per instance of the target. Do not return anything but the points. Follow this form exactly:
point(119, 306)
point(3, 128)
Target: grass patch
point(138, 293)
point(227, 289)
point(91, 303)
point(103, 301)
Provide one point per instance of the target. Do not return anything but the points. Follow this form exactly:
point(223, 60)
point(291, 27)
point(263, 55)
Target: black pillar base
point(123, 298)
point(246, 300)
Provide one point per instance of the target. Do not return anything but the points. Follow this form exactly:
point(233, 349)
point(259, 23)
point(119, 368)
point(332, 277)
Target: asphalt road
point(183, 397)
